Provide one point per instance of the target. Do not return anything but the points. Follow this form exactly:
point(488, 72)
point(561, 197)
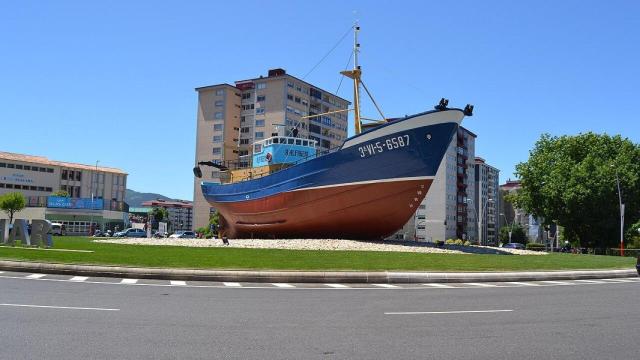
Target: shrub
point(467, 243)
point(450, 242)
point(535, 247)
point(458, 242)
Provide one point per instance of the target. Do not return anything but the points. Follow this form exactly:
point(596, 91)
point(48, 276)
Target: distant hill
point(135, 199)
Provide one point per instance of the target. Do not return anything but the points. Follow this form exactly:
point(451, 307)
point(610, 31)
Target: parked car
point(58, 229)
point(514, 246)
point(131, 232)
point(183, 235)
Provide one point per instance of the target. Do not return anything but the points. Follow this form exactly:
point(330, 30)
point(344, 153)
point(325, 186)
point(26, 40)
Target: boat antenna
point(355, 74)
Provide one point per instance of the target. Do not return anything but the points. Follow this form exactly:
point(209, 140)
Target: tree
point(159, 213)
point(11, 203)
point(572, 180)
point(518, 234)
point(61, 193)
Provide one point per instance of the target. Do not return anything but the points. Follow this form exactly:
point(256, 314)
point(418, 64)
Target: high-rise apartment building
point(447, 210)
point(486, 202)
point(232, 117)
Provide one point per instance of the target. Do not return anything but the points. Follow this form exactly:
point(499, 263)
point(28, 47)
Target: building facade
point(446, 212)
point(486, 202)
point(232, 117)
point(96, 193)
point(533, 226)
point(180, 213)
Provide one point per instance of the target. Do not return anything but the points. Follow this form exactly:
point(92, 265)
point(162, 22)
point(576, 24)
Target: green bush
point(535, 247)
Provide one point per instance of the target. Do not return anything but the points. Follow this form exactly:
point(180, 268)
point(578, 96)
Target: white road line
point(443, 286)
point(556, 282)
point(481, 284)
point(129, 281)
point(619, 280)
point(231, 284)
point(79, 278)
point(446, 312)
point(283, 285)
point(591, 281)
point(337, 286)
point(178, 282)
point(523, 283)
point(59, 307)
point(35, 276)
point(388, 286)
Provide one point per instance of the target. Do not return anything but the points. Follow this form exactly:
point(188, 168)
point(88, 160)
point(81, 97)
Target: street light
point(482, 211)
point(621, 213)
point(92, 201)
point(510, 226)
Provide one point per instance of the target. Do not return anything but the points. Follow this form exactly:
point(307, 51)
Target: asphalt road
point(100, 321)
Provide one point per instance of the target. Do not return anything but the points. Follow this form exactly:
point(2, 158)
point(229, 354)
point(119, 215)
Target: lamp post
point(510, 226)
point(477, 220)
point(621, 213)
point(482, 211)
point(92, 201)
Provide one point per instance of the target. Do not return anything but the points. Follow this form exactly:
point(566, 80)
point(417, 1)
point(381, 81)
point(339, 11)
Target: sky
point(87, 81)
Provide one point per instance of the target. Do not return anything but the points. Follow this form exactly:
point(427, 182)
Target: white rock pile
point(297, 244)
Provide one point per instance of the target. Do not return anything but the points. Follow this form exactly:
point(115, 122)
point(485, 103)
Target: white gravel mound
point(297, 244)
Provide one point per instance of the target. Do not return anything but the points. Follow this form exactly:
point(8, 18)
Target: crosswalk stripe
point(178, 282)
point(79, 278)
point(389, 286)
point(282, 285)
point(337, 286)
point(443, 286)
point(523, 283)
point(556, 282)
point(36, 276)
point(231, 284)
point(129, 281)
point(481, 284)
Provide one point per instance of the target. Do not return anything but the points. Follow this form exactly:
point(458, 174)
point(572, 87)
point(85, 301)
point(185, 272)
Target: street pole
point(92, 201)
point(621, 216)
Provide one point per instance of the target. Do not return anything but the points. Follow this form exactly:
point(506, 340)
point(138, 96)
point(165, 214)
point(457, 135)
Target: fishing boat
point(367, 188)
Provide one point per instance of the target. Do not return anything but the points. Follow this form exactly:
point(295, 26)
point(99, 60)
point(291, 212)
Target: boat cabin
point(282, 150)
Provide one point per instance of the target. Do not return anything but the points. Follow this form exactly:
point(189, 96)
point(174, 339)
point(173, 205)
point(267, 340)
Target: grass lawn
point(273, 259)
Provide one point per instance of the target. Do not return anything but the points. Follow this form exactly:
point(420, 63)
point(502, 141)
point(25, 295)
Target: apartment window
point(219, 103)
point(261, 98)
point(243, 153)
point(290, 84)
point(216, 151)
point(297, 99)
point(260, 123)
point(217, 138)
point(244, 130)
point(18, 166)
point(27, 167)
point(299, 88)
point(305, 102)
point(289, 97)
point(78, 176)
point(248, 107)
point(260, 86)
point(259, 135)
point(64, 175)
point(217, 127)
point(220, 92)
point(218, 115)
point(259, 111)
point(11, 166)
point(48, 189)
point(4, 165)
point(244, 141)
point(246, 96)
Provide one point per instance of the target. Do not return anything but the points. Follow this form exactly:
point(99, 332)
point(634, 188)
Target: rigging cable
point(328, 53)
point(342, 77)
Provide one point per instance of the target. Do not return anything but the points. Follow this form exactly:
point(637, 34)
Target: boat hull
point(367, 189)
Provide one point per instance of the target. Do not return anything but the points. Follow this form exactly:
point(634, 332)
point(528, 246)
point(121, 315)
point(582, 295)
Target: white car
point(58, 229)
point(183, 235)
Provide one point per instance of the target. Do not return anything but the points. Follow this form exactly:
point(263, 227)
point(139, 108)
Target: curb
point(381, 277)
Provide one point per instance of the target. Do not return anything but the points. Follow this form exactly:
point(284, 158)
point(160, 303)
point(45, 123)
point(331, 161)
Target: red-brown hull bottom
point(365, 211)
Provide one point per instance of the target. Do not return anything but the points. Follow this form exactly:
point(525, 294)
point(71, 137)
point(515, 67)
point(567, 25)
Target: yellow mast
point(355, 74)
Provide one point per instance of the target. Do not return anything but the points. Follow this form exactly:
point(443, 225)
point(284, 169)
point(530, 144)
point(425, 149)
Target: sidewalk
point(385, 277)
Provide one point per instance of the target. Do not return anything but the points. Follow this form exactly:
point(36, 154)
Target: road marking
point(443, 286)
point(481, 284)
point(231, 284)
point(79, 278)
point(35, 276)
point(59, 307)
point(388, 286)
point(178, 283)
point(619, 280)
point(282, 285)
point(337, 286)
point(446, 312)
point(523, 283)
point(129, 281)
point(556, 282)
point(591, 281)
